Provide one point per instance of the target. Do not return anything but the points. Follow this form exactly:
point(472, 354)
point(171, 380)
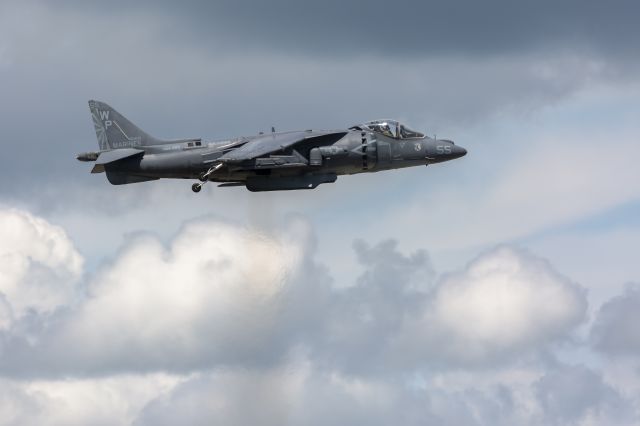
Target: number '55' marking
point(443, 149)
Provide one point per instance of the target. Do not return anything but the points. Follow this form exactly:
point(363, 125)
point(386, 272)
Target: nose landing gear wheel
point(196, 187)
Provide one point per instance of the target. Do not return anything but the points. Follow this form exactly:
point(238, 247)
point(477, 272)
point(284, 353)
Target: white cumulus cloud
point(107, 401)
point(215, 293)
point(191, 328)
point(505, 301)
point(39, 267)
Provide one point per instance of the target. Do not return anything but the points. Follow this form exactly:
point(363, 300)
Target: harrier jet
point(264, 162)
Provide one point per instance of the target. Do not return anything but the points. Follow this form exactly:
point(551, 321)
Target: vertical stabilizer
point(115, 131)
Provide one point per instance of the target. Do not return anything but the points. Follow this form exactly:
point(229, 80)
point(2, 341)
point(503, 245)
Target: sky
point(502, 288)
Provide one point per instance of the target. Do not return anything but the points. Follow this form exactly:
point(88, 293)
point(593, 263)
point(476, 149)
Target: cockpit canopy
point(392, 129)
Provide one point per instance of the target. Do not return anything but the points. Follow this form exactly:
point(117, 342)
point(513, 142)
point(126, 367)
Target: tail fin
point(115, 131)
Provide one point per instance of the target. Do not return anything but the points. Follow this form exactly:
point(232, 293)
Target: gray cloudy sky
point(499, 289)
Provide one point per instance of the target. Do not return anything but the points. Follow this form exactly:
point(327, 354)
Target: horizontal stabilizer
point(117, 154)
point(108, 157)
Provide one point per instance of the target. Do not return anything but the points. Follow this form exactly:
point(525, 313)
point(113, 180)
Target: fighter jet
point(265, 162)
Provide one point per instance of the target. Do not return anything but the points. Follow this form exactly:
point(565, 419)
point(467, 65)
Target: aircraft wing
point(281, 142)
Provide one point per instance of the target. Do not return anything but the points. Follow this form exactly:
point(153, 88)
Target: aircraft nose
point(440, 150)
point(458, 151)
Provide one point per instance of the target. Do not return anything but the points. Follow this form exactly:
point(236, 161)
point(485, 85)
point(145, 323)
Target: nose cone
point(458, 151)
point(439, 150)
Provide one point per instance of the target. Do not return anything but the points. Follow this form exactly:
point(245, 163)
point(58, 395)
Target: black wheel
point(196, 187)
point(202, 177)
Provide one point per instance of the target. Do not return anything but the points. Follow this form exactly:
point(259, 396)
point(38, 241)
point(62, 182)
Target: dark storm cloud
point(222, 68)
point(406, 27)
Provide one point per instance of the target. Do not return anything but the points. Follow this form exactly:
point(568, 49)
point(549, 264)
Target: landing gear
point(204, 178)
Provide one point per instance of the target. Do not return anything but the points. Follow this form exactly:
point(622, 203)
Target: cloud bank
point(221, 314)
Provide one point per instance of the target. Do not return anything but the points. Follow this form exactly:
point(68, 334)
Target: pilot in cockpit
point(393, 129)
point(386, 130)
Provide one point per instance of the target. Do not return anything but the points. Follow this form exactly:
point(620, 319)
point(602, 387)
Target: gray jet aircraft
point(265, 162)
